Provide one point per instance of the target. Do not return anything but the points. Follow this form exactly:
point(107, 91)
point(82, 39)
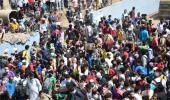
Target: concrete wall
point(20, 47)
point(116, 10)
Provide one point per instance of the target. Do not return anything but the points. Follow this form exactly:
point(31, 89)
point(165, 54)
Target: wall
point(20, 47)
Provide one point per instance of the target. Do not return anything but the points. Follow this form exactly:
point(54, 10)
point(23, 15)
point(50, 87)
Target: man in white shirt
point(33, 87)
point(89, 30)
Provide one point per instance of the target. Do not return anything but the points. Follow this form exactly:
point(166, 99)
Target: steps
point(164, 9)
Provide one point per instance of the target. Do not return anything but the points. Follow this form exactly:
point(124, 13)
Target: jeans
point(60, 5)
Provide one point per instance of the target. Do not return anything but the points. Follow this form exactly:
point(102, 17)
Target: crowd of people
point(115, 59)
point(58, 4)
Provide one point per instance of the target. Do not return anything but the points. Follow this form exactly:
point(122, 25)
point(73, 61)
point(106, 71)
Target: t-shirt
point(120, 35)
point(10, 87)
point(143, 35)
point(43, 28)
point(25, 55)
point(49, 83)
point(14, 26)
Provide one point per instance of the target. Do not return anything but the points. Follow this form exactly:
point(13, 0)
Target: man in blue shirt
point(109, 20)
point(10, 87)
point(143, 35)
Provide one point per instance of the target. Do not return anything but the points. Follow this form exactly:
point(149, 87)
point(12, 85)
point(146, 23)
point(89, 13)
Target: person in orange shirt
point(120, 35)
point(23, 67)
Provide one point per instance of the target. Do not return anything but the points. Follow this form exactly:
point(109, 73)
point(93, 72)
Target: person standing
point(69, 14)
point(26, 55)
point(143, 35)
point(33, 87)
point(10, 87)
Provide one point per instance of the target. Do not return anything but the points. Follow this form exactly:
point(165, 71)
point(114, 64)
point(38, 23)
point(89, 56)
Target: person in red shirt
point(30, 1)
point(10, 64)
point(107, 29)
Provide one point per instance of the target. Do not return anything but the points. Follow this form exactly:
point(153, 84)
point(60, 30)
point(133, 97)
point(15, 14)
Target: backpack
point(47, 84)
point(159, 86)
point(21, 89)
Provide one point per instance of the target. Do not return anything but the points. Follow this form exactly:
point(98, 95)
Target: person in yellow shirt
point(14, 25)
point(25, 55)
point(120, 35)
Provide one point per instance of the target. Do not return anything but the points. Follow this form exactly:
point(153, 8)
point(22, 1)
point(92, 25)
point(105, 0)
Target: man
point(33, 87)
point(109, 20)
point(143, 35)
point(49, 83)
point(10, 87)
point(69, 14)
point(14, 26)
point(25, 55)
